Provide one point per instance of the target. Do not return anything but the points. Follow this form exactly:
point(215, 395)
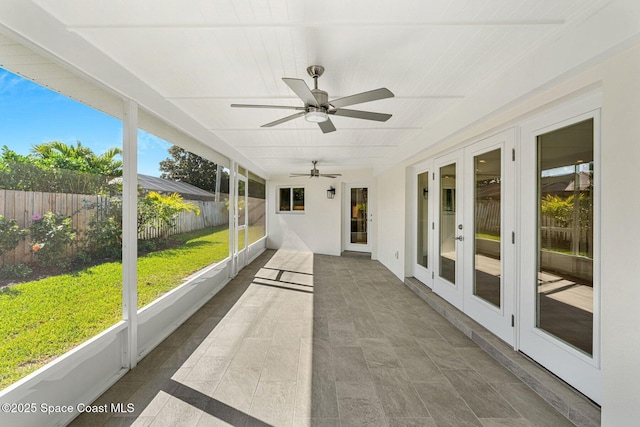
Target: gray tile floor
point(298, 339)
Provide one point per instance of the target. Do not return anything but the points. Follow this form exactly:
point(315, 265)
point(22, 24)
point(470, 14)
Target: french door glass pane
point(359, 215)
point(423, 219)
point(448, 222)
point(565, 234)
point(487, 265)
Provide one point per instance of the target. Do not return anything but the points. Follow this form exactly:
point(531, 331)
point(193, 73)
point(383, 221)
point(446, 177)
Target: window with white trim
point(290, 199)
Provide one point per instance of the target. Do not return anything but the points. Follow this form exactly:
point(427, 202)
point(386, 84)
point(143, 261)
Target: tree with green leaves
point(58, 155)
point(59, 168)
point(184, 166)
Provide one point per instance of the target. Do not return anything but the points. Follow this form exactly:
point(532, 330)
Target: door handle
point(458, 238)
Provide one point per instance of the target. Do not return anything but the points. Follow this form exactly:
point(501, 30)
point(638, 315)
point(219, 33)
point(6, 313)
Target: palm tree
point(56, 154)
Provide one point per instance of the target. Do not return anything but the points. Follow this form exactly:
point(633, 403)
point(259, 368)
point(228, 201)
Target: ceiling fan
point(315, 173)
point(317, 107)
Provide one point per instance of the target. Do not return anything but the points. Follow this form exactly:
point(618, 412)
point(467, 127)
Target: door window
point(359, 211)
point(565, 234)
point(423, 220)
point(448, 222)
point(487, 259)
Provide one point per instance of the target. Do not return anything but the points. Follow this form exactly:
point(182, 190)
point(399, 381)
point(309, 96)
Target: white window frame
point(290, 210)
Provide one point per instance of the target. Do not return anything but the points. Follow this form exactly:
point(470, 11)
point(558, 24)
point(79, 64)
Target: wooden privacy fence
point(574, 239)
point(211, 214)
point(23, 205)
point(553, 235)
point(488, 217)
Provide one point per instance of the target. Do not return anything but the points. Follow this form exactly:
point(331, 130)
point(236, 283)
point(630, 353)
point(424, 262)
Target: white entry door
point(358, 218)
point(489, 250)
point(422, 206)
point(449, 230)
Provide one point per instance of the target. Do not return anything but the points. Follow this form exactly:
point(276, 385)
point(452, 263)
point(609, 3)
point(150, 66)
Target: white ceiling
point(197, 57)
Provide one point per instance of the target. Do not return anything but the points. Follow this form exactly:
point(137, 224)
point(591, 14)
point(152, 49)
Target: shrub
point(18, 271)
point(103, 238)
point(10, 235)
point(160, 212)
point(51, 234)
point(149, 245)
point(561, 209)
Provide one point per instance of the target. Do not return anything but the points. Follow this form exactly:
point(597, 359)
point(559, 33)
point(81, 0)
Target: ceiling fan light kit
point(317, 107)
point(316, 115)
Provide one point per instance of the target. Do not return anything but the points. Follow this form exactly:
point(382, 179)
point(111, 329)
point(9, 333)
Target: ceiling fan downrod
point(315, 71)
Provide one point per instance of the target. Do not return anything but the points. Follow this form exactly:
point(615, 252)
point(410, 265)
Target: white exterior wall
point(391, 220)
point(618, 78)
point(620, 239)
point(319, 229)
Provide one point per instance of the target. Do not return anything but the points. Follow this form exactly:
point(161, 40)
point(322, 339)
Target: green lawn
point(488, 236)
point(43, 319)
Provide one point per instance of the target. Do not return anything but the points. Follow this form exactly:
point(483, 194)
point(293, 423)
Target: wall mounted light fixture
point(331, 192)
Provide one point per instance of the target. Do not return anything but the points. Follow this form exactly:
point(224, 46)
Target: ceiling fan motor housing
point(321, 96)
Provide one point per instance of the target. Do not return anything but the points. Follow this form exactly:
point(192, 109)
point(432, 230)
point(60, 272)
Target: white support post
point(130, 231)
point(232, 219)
point(218, 178)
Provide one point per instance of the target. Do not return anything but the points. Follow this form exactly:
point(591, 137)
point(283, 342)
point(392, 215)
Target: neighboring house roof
point(161, 185)
point(561, 184)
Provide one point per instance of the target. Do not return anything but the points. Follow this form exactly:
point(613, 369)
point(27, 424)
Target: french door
point(559, 274)
point(517, 248)
point(469, 197)
point(489, 251)
point(449, 229)
point(424, 224)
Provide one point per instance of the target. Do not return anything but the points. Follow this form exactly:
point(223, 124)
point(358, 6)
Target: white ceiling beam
point(323, 24)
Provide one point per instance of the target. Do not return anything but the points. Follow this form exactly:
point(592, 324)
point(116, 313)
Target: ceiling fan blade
point(357, 114)
point(372, 95)
point(327, 126)
point(302, 90)
point(281, 107)
point(293, 175)
point(330, 175)
point(284, 119)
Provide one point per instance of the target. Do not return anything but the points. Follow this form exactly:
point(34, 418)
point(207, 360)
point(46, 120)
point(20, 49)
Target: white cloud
point(8, 82)
point(147, 142)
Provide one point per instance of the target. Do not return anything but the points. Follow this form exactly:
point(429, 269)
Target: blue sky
point(31, 114)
